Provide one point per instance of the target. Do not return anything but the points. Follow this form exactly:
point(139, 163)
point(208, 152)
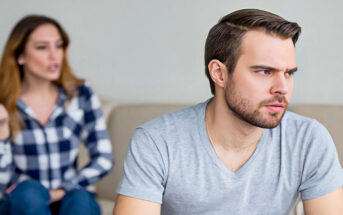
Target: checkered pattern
point(49, 153)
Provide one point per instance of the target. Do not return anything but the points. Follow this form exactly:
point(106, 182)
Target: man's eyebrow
point(272, 68)
point(292, 70)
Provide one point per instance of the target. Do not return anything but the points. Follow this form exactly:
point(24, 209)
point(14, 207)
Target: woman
point(45, 112)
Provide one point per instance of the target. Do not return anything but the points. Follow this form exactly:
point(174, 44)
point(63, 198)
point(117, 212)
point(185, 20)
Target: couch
point(123, 119)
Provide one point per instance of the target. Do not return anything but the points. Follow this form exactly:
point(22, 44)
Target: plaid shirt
point(49, 153)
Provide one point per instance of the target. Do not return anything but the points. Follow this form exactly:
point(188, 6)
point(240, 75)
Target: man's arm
point(144, 175)
point(131, 206)
point(329, 204)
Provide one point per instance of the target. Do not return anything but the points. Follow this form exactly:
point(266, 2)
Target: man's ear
point(218, 73)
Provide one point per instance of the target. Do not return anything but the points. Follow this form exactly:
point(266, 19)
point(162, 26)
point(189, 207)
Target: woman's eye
point(60, 46)
point(41, 47)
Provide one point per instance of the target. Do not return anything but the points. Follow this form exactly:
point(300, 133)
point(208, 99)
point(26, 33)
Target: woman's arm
point(95, 137)
point(6, 164)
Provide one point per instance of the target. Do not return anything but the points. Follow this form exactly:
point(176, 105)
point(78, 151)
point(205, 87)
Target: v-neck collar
point(58, 108)
point(208, 147)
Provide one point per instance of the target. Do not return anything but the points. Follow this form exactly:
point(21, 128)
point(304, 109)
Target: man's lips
point(275, 107)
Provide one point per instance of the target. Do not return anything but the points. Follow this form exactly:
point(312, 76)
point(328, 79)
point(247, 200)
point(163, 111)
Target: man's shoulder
point(301, 125)
point(295, 119)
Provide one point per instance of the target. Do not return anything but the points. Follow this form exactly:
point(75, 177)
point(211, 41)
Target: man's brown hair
point(224, 39)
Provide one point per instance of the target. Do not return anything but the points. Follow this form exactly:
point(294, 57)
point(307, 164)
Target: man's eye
point(264, 72)
point(290, 73)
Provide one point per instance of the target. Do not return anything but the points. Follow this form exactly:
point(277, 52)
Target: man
point(239, 152)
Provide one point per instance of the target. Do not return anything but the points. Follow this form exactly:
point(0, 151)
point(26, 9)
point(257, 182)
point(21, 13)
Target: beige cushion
point(106, 206)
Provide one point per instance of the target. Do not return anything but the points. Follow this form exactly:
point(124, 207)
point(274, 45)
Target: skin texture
point(56, 195)
point(43, 54)
point(131, 206)
point(329, 204)
point(253, 84)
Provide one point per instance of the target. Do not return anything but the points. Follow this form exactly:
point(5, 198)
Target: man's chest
point(201, 185)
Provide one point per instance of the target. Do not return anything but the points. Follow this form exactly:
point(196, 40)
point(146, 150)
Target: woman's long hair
point(11, 73)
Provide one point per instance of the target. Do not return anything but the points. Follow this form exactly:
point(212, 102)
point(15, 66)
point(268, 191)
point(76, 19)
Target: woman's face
point(43, 54)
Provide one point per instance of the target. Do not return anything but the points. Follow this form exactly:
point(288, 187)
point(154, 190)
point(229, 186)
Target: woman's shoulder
point(84, 98)
point(84, 91)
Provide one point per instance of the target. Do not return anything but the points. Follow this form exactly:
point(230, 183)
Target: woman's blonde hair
point(11, 73)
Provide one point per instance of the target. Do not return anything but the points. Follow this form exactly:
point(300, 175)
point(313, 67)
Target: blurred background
point(151, 51)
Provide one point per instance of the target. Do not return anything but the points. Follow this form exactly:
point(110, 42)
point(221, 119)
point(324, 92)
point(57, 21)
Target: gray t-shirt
point(171, 161)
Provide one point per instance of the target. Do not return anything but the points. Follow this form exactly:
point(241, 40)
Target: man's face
point(259, 89)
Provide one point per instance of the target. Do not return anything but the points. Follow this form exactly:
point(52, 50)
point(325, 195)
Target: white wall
point(135, 51)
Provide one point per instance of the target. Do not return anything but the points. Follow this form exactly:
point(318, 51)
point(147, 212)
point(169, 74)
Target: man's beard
point(245, 111)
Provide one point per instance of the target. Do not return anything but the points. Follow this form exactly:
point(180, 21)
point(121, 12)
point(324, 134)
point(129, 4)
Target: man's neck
point(227, 132)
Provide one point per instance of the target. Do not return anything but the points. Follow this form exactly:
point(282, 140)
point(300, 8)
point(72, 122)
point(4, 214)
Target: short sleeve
point(322, 172)
point(145, 169)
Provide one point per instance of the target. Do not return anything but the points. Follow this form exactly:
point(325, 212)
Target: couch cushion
point(106, 206)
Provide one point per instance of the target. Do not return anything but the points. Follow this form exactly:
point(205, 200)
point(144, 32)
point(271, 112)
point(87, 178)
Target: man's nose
point(280, 84)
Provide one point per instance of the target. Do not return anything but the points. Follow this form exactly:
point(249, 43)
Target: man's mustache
point(278, 99)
